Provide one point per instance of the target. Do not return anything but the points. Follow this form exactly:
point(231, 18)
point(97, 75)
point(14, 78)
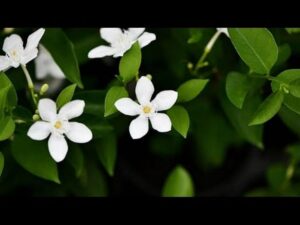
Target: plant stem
point(207, 50)
point(30, 84)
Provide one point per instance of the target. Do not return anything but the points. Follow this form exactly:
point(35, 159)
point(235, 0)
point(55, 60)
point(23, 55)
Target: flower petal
point(13, 41)
point(47, 109)
point(165, 100)
point(33, 39)
point(146, 38)
point(127, 106)
point(161, 122)
point(40, 130)
point(4, 63)
point(101, 51)
point(134, 33)
point(29, 55)
point(58, 147)
point(139, 127)
point(79, 133)
point(72, 109)
point(144, 90)
point(111, 35)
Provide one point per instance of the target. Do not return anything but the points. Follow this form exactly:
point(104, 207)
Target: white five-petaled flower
point(223, 30)
point(46, 66)
point(16, 54)
point(147, 109)
point(59, 126)
point(120, 41)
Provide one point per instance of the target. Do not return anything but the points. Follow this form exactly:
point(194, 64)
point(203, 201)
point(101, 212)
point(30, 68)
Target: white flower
point(147, 109)
point(120, 41)
point(16, 54)
point(59, 126)
point(45, 65)
point(223, 30)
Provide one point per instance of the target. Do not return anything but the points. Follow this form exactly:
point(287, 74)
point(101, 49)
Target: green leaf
point(75, 158)
point(106, 149)
point(62, 51)
point(237, 87)
point(65, 95)
point(34, 157)
point(130, 63)
point(290, 119)
point(294, 151)
point(292, 30)
point(287, 77)
point(276, 175)
point(284, 52)
point(1, 163)
point(178, 184)
point(94, 101)
point(7, 126)
point(294, 88)
point(8, 94)
point(190, 89)
point(268, 108)
point(195, 35)
point(239, 119)
point(256, 47)
point(180, 119)
point(113, 94)
point(22, 114)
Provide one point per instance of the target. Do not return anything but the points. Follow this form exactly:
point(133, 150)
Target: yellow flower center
point(147, 109)
point(58, 125)
point(14, 53)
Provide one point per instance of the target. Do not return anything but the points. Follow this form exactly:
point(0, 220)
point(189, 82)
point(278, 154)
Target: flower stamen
point(58, 125)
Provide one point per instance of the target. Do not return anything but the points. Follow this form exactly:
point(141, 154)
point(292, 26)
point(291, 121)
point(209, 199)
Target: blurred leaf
point(293, 30)
point(113, 94)
point(65, 95)
point(195, 35)
point(256, 47)
point(7, 128)
point(237, 87)
point(180, 119)
point(106, 149)
point(294, 151)
point(173, 142)
point(34, 157)
point(94, 101)
point(268, 109)
point(1, 163)
point(290, 119)
point(286, 77)
point(190, 89)
point(21, 113)
point(130, 63)
point(239, 119)
point(178, 184)
point(75, 158)
point(284, 52)
point(62, 51)
point(276, 175)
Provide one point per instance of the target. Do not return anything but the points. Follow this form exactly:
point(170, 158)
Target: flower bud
point(35, 117)
point(44, 89)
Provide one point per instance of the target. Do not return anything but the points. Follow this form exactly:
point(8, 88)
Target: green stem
point(207, 50)
point(30, 84)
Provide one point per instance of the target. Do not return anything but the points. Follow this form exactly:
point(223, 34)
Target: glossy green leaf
point(113, 94)
point(1, 163)
point(8, 94)
point(287, 77)
point(34, 157)
point(106, 149)
point(284, 52)
point(290, 119)
point(62, 51)
point(7, 128)
point(178, 184)
point(256, 47)
point(268, 108)
point(130, 63)
point(190, 89)
point(294, 88)
point(237, 87)
point(65, 95)
point(180, 119)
